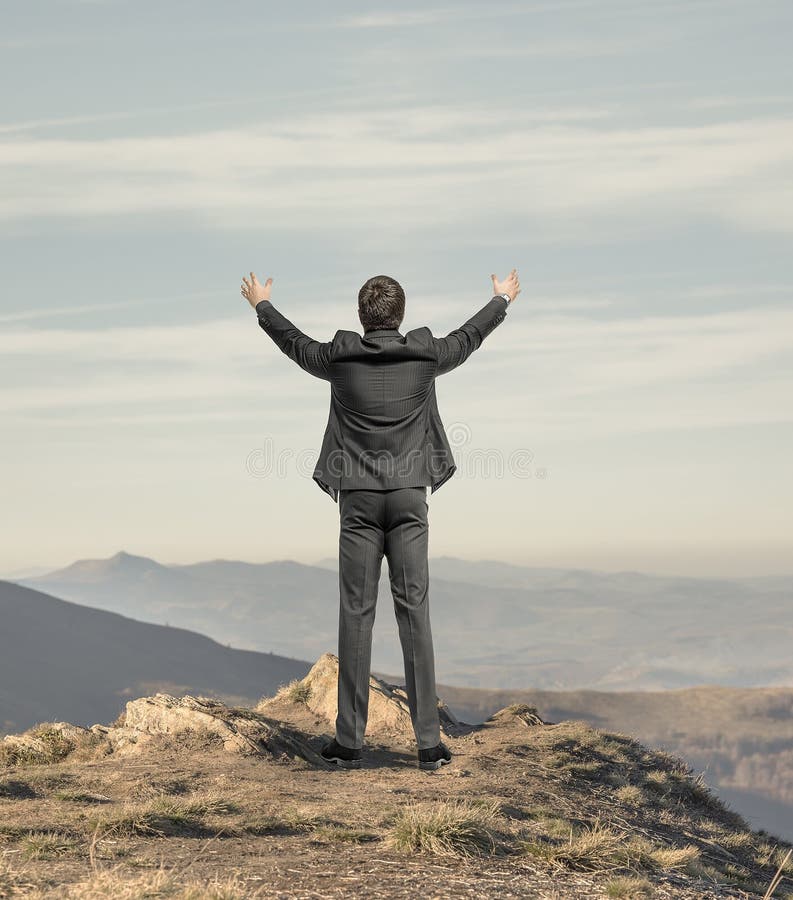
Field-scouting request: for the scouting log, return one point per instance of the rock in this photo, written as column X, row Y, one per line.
column 164, row 714
column 389, row 713
column 45, row 742
column 239, row 730
column 519, row 712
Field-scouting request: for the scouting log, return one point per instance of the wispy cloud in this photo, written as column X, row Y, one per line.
column 143, row 112
column 586, row 374
column 415, row 163
column 730, row 101
column 119, row 116
column 398, row 18
column 620, row 354
column 40, row 312
column 624, row 9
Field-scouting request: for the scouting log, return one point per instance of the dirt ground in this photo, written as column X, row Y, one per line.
column 286, row 826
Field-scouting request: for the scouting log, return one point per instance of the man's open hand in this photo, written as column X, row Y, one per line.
column 510, row 285
column 254, row 291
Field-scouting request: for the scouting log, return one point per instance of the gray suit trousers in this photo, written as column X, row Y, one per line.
column 372, row 523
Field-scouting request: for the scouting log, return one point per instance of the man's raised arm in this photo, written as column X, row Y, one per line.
column 311, row 355
column 458, row 345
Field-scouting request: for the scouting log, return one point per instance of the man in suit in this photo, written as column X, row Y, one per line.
column 383, row 446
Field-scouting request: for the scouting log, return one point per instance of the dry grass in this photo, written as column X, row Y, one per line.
column 164, row 815
column 12, row 881
column 296, row 691
column 51, row 746
column 592, row 849
column 448, row 828
column 628, row 888
column 598, row 847
column 48, row 745
column 285, row 819
column 118, row 884
column 630, row 795
column 150, row 787
column 784, row 866
column 593, row 809
column 48, row 844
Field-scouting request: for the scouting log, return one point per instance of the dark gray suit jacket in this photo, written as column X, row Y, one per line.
column 384, row 429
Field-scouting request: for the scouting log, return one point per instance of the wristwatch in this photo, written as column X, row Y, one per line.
column 506, row 297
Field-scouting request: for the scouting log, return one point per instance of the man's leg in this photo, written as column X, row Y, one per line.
column 406, row 546
column 360, row 558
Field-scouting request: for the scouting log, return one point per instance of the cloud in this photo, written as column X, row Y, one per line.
column 576, row 374
column 625, row 354
column 143, row 112
column 44, row 312
column 453, row 14
column 429, row 164
column 399, row 18
column 722, row 101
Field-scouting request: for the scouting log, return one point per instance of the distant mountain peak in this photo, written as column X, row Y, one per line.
column 123, row 556
column 121, row 563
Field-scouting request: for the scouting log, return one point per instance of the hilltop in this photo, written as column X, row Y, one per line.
column 187, row 794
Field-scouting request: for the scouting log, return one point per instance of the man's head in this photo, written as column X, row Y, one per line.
column 381, row 303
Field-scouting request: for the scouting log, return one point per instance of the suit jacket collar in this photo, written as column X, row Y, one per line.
column 377, row 332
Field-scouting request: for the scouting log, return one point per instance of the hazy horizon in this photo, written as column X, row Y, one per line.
column 736, row 570
column 635, row 163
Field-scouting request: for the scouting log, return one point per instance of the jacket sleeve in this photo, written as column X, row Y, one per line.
column 309, row 354
column 458, row 345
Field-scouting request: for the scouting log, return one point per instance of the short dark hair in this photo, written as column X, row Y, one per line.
column 381, row 303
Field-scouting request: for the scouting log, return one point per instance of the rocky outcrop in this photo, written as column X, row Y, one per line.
column 263, row 731
column 389, row 713
column 44, row 743
column 237, row 730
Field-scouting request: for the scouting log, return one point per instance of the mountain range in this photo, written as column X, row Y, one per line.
column 495, row 625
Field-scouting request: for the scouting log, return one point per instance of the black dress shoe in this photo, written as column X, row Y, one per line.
column 346, row 757
column 434, row 757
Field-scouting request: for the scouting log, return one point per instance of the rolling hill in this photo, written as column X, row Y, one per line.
column 62, row 660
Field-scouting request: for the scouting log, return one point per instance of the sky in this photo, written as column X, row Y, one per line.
column 634, row 162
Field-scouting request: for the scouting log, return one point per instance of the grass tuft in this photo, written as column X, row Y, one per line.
column 598, row 847
column 164, row 816
column 47, row 844
column 448, row 828
column 626, row 887
column 297, row 691
column 629, row 888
